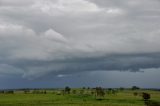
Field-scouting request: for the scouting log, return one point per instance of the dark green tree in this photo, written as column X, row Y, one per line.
column 99, row 93
column 135, row 88
column 146, row 96
column 67, row 90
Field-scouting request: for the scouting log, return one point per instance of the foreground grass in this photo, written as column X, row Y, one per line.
column 124, row 98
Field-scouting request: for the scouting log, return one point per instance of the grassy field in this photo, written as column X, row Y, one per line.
column 52, row 98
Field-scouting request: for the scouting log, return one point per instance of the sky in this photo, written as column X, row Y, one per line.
column 58, row 43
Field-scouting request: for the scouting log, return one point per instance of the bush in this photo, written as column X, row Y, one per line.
column 1, row 92
column 9, row 92
column 74, row 91
column 26, row 91
column 39, row 92
column 135, row 93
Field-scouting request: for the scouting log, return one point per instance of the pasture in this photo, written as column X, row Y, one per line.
column 77, row 97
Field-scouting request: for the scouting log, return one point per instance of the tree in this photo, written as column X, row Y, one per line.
column 114, row 92
column 92, row 92
column 67, row 90
column 135, row 88
column 45, row 92
column 99, row 93
column 146, row 96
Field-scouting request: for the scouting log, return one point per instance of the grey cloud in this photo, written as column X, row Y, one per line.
column 7, row 69
column 139, row 62
column 16, row 2
column 64, row 37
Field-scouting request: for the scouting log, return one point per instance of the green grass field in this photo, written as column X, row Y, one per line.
column 122, row 98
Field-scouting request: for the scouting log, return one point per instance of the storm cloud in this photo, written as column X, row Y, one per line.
column 41, row 37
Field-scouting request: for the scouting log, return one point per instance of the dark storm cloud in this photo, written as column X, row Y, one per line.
column 39, row 37
column 34, row 69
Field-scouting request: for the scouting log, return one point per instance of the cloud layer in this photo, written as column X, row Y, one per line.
column 39, row 37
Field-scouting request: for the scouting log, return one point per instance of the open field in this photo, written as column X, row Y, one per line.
column 55, row 98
